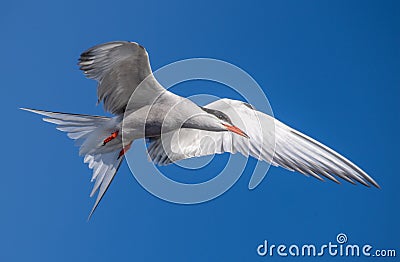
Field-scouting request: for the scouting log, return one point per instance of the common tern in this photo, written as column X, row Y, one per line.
column 167, row 120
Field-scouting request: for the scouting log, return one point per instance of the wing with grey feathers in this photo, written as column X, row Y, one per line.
column 270, row 141
column 119, row 68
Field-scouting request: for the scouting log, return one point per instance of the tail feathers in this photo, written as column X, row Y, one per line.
column 83, row 129
column 104, row 166
column 77, row 126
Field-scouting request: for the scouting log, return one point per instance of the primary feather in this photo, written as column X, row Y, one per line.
column 270, row 141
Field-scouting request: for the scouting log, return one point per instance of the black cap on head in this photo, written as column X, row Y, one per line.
column 220, row 115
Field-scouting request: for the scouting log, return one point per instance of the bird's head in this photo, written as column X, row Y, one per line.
column 213, row 120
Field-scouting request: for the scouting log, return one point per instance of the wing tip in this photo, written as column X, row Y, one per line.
column 372, row 181
column 375, row 184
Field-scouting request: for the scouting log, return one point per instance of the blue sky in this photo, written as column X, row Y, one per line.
column 329, row 68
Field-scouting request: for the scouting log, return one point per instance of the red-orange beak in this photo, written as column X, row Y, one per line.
column 236, row 130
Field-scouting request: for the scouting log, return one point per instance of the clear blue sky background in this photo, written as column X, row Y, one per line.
column 329, row 68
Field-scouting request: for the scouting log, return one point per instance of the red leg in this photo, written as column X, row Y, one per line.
column 124, row 150
column 108, row 139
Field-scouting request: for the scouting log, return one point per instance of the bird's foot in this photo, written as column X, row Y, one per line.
column 124, row 150
column 108, row 139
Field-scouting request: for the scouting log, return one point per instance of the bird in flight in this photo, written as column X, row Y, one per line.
column 176, row 126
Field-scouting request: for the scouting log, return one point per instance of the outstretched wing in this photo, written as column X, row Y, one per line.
column 119, row 68
column 270, row 141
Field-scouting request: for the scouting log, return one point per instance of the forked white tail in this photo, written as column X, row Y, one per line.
column 88, row 132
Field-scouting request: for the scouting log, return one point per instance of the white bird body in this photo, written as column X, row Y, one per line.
column 178, row 128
